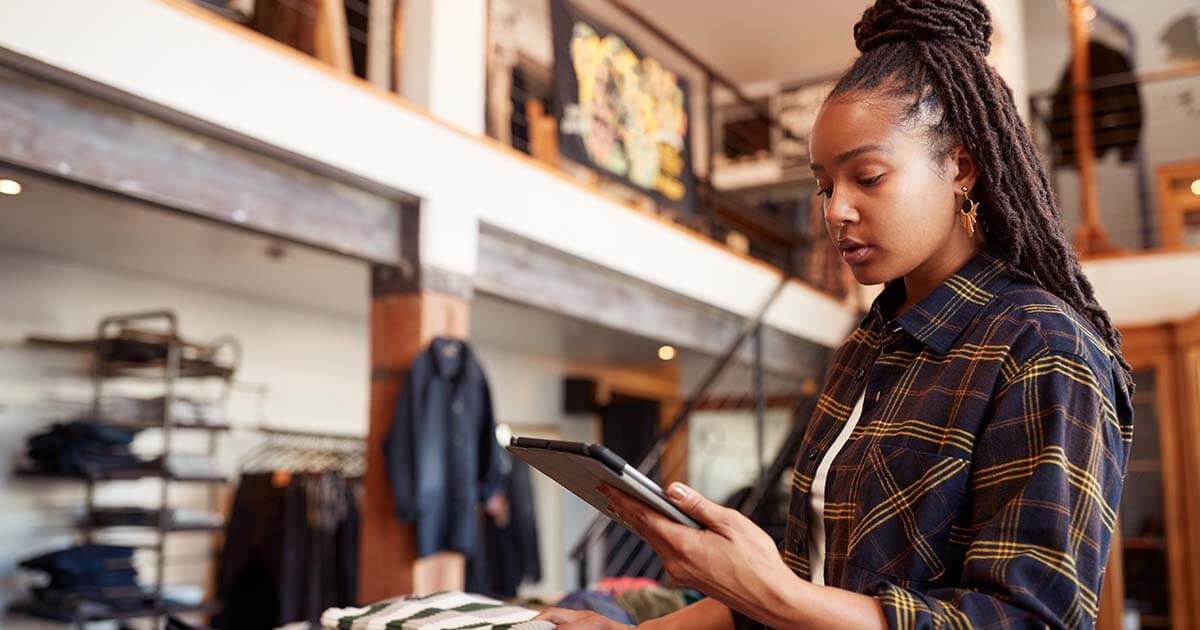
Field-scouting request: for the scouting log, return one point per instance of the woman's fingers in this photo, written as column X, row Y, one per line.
column 578, row 620
column 560, row 615
column 695, row 505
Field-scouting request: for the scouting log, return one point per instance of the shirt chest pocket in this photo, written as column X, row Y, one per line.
column 906, row 503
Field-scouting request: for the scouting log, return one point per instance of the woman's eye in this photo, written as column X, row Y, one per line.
column 825, row 192
column 870, row 181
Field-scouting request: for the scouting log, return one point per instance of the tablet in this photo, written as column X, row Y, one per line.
column 581, row 468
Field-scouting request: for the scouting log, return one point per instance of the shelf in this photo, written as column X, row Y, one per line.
column 188, row 367
column 43, row 611
column 146, row 425
column 153, row 528
column 118, row 476
column 153, row 370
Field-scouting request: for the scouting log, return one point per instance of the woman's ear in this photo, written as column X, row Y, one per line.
column 962, row 167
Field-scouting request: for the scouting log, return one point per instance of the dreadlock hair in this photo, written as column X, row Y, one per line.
column 929, row 56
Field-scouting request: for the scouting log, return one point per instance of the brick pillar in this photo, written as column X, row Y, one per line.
column 404, row 318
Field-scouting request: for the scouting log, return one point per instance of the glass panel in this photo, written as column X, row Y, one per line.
column 1142, row 516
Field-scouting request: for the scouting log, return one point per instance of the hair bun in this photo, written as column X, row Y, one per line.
column 966, row 22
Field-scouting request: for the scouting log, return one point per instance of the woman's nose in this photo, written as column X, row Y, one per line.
column 839, row 211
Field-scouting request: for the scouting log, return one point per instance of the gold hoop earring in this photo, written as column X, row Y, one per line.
column 968, row 217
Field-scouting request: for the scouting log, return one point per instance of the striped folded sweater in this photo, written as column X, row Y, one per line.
column 440, row 611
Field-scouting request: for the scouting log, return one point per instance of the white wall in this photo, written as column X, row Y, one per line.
column 443, row 64
column 1009, row 49
column 721, row 449
column 314, row 362
column 527, row 396
column 188, row 61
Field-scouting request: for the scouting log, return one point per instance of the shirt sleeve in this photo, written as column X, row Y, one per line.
column 1046, row 479
column 399, row 452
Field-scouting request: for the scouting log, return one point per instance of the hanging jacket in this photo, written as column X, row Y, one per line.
column 508, row 551
column 441, row 452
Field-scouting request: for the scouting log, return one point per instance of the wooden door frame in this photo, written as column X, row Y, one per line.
column 1158, row 348
column 1171, row 224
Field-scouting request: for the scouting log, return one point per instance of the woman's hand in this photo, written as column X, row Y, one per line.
column 731, row 560
column 578, row 620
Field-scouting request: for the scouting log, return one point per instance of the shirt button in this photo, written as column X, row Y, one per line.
column 457, row 406
column 813, row 454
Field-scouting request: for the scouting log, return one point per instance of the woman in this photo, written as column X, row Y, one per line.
column 965, row 459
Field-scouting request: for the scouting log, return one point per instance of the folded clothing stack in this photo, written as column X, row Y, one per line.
column 193, row 466
column 86, row 582
column 440, row 611
column 184, row 411
column 145, row 517
column 85, row 448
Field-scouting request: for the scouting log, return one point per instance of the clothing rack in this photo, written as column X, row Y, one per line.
column 147, row 347
column 286, row 450
column 297, row 506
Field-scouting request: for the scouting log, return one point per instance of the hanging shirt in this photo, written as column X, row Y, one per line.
column 816, row 514
column 980, row 488
column 441, row 451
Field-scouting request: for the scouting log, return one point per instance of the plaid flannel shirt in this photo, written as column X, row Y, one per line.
column 980, row 487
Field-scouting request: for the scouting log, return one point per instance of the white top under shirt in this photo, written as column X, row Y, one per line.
column 816, row 505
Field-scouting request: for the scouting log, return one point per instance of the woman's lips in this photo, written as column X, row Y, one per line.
column 857, row 255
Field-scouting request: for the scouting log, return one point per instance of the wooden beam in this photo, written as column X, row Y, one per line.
column 522, row 271
column 1112, row 591
column 402, row 325
column 379, row 42
column 1091, row 236
column 398, row 46
column 333, row 35
column 69, row 135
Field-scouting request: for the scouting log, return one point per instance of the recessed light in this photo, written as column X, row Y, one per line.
column 666, row 353
column 10, row 187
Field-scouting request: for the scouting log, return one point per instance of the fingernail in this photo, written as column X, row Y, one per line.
column 677, row 491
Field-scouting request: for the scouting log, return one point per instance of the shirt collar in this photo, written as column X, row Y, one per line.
column 939, row 318
column 450, row 357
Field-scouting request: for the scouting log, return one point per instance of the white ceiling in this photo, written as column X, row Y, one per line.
column 762, row 40
column 63, row 221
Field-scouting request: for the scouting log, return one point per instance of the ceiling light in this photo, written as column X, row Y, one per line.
column 1196, row 188
column 666, row 353
column 10, row 187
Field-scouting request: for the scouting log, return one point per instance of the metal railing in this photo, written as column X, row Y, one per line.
column 1146, row 132
column 782, row 231
column 729, row 387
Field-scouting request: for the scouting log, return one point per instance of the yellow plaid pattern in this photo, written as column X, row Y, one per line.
column 980, row 487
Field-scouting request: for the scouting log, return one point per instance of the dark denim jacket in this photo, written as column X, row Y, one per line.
column 441, row 451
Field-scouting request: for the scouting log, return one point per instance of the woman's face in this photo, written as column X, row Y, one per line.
column 888, row 206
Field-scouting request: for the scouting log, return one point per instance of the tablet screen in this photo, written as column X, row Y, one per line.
column 582, row 468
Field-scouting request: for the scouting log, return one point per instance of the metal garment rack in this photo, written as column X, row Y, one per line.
column 180, row 360
column 306, row 452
